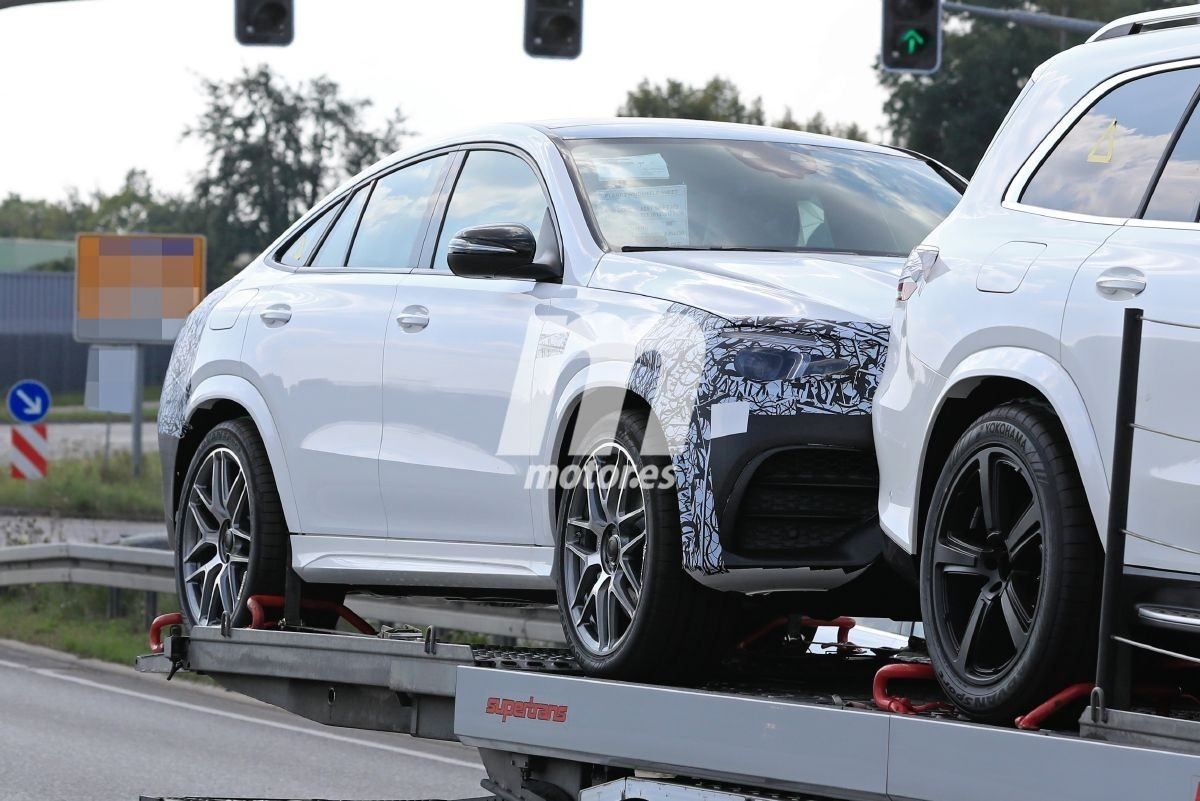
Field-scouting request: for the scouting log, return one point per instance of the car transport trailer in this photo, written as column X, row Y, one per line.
column 546, row 733
column 800, row 722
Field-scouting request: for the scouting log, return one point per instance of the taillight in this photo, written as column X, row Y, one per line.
column 915, row 271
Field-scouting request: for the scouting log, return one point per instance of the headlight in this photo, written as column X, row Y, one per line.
column 915, row 271
column 770, row 356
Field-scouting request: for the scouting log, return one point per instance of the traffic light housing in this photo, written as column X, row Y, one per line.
column 912, row 35
column 264, row 22
column 554, row 28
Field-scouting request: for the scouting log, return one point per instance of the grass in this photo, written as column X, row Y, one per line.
column 76, row 398
column 67, row 407
column 76, row 414
column 73, row 618
column 84, row 487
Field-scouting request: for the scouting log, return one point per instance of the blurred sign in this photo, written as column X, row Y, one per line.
column 28, row 401
column 111, row 379
column 136, row 289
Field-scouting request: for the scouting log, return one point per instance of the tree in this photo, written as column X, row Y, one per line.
column 953, row 114
column 720, row 100
column 135, row 207
column 717, row 100
column 819, row 125
column 273, row 150
column 43, row 219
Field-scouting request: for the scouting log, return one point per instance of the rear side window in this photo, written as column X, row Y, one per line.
column 333, row 249
column 299, row 249
column 1104, row 164
column 390, row 232
column 1176, row 197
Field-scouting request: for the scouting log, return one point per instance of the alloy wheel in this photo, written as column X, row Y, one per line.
column 988, row 563
column 216, row 538
column 604, row 556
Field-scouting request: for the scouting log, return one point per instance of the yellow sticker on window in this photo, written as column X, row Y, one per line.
column 1102, row 151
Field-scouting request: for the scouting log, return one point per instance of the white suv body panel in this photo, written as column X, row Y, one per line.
column 1054, row 331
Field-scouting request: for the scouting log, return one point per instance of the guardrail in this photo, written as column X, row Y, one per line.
column 148, row 570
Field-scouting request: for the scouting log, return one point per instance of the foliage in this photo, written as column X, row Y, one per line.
column 720, row 100
column 73, row 619
column 819, row 125
column 84, row 487
column 273, row 150
column 953, row 114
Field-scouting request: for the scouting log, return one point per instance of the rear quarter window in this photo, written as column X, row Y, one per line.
column 1106, row 161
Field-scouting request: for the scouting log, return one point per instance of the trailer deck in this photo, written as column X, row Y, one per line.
column 547, row 733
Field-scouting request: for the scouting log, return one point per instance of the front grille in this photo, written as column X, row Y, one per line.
column 806, row 498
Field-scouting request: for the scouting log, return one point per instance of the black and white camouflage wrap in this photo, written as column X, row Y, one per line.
column 177, row 388
column 683, row 367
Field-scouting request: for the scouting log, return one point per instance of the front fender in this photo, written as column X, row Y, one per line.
column 242, row 392
column 1048, row 377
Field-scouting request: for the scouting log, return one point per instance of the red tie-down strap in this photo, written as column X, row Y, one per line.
column 160, row 623
column 258, row 605
column 897, row 704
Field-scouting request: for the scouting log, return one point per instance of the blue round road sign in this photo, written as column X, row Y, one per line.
column 28, row 401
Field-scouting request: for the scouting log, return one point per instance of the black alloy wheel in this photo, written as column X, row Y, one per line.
column 1010, row 565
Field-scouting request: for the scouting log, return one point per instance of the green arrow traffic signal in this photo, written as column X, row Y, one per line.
column 912, row 40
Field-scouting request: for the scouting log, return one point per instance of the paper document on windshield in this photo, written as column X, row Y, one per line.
column 644, row 215
column 627, row 168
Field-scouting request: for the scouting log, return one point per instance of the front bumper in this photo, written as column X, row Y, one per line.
column 797, row 490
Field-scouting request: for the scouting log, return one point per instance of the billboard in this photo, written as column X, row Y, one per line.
column 136, row 288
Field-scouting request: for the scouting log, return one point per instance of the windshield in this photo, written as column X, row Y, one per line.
column 706, row 194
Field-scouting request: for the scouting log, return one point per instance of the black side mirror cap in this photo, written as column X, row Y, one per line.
column 506, row 250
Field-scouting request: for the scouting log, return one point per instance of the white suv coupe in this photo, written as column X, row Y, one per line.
column 627, row 362
column 995, row 417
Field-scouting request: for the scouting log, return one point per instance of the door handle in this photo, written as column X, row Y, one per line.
column 413, row 319
column 276, row 314
column 1121, row 283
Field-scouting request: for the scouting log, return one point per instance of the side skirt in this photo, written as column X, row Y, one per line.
column 385, row 562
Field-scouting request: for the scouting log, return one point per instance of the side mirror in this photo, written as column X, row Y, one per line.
column 507, row 250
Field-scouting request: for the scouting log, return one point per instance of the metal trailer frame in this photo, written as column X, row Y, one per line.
column 547, row 735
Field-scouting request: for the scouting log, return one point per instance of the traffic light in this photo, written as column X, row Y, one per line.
column 264, row 22
column 912, row 35
column 554, row 28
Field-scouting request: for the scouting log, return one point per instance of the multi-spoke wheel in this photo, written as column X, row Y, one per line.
column 605, row 548
column 628, row 609
column 1009, row 565
column 215, row 540
column 230, row 538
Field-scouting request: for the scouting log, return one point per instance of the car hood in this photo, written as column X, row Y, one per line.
column 738, row 285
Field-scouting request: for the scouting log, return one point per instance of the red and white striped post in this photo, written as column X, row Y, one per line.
column 29, row 449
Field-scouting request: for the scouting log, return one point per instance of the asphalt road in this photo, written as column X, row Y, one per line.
column 73, row 729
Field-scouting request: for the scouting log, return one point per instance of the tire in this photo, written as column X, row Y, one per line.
column 676, row 626
column 1013, row 582
column 235, row 544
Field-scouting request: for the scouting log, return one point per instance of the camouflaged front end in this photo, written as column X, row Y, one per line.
column 665, row 374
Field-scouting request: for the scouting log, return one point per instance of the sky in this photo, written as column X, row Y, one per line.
column 91, row 88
